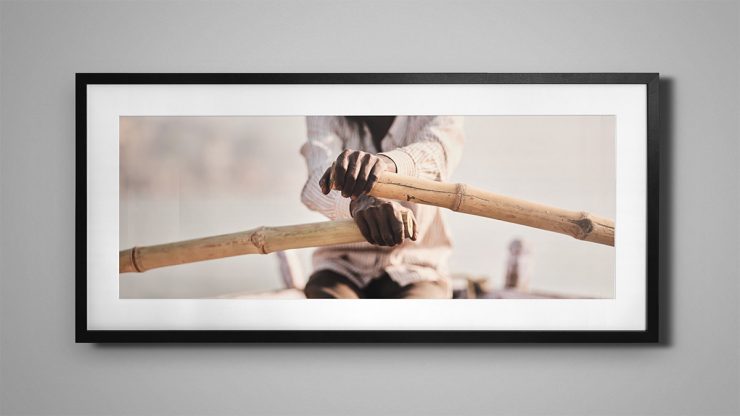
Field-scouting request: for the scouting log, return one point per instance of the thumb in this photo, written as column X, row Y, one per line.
column 415, row 231
column 324, row 182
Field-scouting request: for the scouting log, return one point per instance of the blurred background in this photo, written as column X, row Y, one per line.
column 189, row 177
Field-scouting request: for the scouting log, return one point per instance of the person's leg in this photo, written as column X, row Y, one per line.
column 326, row 284
column 383, row 287
column 428, row 289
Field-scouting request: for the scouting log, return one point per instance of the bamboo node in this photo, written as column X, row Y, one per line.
column 585, row 225
column 460, row 190
column 258, row 239
column 134, row 262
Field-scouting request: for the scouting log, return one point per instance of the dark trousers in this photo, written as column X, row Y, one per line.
column 326, row 284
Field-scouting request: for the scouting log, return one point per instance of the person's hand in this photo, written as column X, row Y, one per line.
column 383, row 222
column 354, row 173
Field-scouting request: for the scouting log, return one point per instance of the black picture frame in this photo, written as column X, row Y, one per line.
column 649, row 335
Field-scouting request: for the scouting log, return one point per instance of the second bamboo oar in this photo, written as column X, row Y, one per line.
column 260, row 240
column 469, row 200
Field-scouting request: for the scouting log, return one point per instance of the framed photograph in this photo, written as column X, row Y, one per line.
column 461, row 207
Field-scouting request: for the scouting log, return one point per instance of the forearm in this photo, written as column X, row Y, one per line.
column 433, row 149
column 390, row 165
column 331, row 205
column 421, row 160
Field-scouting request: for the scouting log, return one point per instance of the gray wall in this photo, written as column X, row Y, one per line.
column 694, row 44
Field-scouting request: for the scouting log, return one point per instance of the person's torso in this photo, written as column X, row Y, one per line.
column 424, row 259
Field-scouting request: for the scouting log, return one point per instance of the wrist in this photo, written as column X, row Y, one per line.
column 365, row 201
column 390, row 165
column 361, row 202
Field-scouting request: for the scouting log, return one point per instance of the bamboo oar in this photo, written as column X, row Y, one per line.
column 457, row 197
column 260, row 240
column 469, row 200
